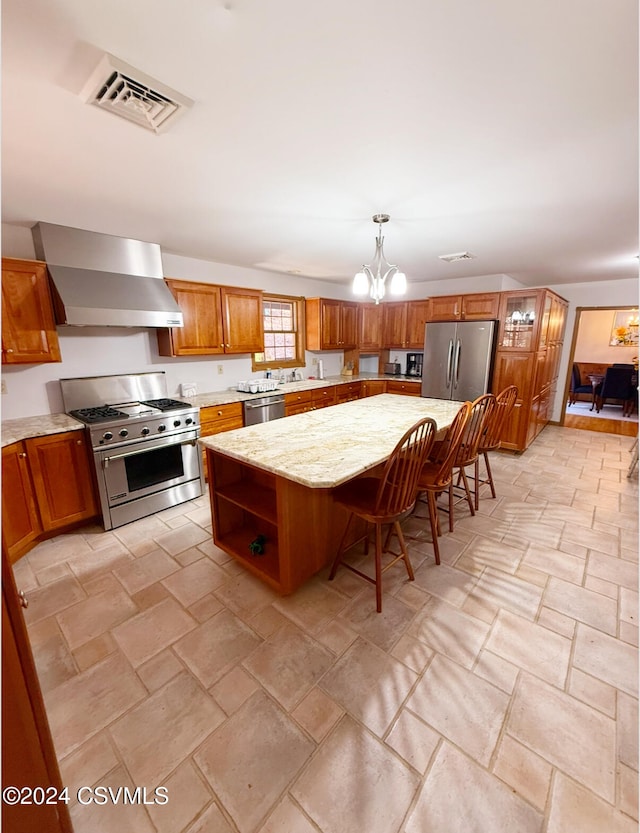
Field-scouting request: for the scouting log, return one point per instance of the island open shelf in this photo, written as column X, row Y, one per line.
column 301, row 526
column 244, row 511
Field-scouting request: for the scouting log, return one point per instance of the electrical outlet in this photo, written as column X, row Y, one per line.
column 3, row 386
column 220, row 369
column 314, row 362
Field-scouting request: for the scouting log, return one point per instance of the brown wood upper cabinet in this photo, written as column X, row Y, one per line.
column 417, row 317
column 47, row 485
column 217, row 319
column 474, row 307
column 403, row 324
column 394, row 324
column 331, row 324
column 369, row 326
column 29, row 333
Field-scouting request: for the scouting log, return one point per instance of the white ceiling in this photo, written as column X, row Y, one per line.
column 506, row 129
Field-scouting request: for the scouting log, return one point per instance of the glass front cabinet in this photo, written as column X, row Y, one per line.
column 530, row 338
column 520, row 314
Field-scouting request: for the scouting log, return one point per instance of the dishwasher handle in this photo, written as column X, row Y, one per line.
column 249, row 407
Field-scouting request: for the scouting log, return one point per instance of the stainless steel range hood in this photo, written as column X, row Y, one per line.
column 103, row 280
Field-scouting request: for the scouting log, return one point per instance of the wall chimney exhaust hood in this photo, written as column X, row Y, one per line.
column 103, row 280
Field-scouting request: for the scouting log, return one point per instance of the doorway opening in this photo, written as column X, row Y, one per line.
column 602, row 337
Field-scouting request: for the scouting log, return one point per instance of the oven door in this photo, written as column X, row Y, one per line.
column 136, row 471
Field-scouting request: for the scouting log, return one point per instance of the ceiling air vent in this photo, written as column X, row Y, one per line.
column 458, row 256
column 121, row 89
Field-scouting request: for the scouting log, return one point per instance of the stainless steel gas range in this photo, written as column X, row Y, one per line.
column 145, row 445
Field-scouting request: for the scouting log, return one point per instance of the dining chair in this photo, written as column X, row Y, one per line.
column 617, row 385
column 576, row 386
column 490, row 441
column 386, row 500
column 437, row 473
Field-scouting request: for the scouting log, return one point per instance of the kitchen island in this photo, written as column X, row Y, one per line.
column 271, row 485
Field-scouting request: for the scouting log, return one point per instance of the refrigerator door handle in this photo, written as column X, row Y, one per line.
column 456, row 363
column 449, row 361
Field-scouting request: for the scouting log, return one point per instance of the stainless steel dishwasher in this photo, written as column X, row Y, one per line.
column 263, row 409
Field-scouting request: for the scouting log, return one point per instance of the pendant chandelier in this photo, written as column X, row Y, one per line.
column 372, row 279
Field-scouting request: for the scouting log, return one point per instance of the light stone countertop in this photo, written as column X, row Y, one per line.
column 15, row 430
column 321, row 449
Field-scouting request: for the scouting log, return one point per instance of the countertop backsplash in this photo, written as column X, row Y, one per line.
column 32, row 390
column 19, row 428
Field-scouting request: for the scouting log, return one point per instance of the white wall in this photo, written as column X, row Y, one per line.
column 593, row 342
column 455, row 286
column 92, row 351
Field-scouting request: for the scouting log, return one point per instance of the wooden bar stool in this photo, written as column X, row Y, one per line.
column 505, row 402
column 387, row 499
column 482, row 410
column 437, row 474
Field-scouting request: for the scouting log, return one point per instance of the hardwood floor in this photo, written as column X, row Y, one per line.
column 624, row 428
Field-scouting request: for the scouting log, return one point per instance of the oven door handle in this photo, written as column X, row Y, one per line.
column 107, row 460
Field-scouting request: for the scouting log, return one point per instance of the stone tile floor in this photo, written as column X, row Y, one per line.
column 496, row 693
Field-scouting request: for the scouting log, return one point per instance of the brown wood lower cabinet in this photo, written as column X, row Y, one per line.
column 348, row 392
column 516, row 369
column 47, row 485
column 403, row 388
column 28, row 756
column 218, row 418
column 297, row 403
column 372, row 387
column 63, row 480
column 21, row 524
column 323, row 397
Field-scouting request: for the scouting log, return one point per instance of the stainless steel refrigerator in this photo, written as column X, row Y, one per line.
column 458, row 359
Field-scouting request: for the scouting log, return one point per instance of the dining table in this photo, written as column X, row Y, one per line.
column 596, row 380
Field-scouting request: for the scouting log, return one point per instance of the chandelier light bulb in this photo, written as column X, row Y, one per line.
column 360, row 284
column 372, row 279
column 398, row 284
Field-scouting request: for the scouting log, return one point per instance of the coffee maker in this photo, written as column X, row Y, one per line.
column 414, row 364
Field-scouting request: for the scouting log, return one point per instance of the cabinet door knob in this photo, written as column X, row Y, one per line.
column 9, row 350
column 222, row 345
column 219, row 413
column 78, row 442
column 22, row 454
column 24, row 602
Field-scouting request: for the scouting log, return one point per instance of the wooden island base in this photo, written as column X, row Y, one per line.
column 302, row 527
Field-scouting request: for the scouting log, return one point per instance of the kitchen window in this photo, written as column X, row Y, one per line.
column 283, row 318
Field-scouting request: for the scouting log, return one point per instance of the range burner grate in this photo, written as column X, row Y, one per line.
column 98, row 414
column 166, row 404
